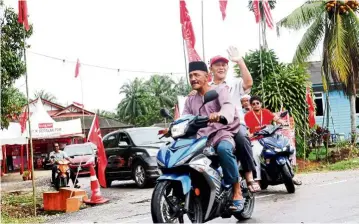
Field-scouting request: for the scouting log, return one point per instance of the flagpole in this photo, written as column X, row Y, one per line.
column 204, row 58
column 83, row 112
column 29, row 125
column 185, row 60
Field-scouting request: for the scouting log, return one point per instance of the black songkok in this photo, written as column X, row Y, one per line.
column 197, row 65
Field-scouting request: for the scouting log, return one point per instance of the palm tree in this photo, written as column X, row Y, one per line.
column 263, row 23
column 133, row 104
column 337, row 24
column 45, row 95
column 161, row 87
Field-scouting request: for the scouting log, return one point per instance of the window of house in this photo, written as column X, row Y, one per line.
column 319, row 103
column 357, row 105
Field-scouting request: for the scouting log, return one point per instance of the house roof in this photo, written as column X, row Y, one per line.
column 44, row 101
column 72, row 108
column 315, row 71
column 104, row 122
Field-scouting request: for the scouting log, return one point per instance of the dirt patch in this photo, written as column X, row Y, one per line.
column 305, row 166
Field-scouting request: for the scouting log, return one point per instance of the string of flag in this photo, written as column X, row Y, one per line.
column 78, row 65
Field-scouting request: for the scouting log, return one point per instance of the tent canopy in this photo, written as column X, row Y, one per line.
column 43, row 126
column 12, row 135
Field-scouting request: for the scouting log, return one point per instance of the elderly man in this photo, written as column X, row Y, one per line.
column 237, row 88
column 223, row 134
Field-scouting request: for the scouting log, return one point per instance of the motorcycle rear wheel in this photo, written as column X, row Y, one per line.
column 158, row 204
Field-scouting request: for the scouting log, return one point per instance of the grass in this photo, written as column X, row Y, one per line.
column 17, row 207
column 349, row 164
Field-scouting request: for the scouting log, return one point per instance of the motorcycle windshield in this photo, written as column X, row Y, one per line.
column 277, row 141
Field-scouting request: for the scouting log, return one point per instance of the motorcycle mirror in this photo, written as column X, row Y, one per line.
column 165, row 113
column 210, row 96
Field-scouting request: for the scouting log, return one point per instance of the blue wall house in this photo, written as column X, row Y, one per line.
column 339, row 115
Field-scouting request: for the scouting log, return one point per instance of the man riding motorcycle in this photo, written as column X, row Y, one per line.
column 237, row 88
column 59, row 155
column 255, row 120
column 222, row 134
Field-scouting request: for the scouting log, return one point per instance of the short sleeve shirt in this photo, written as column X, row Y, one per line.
column 236, row 92
column 58, row 156
column 254, row 122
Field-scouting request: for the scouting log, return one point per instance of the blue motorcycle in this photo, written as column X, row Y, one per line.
column 276, row 165
column 192, row 182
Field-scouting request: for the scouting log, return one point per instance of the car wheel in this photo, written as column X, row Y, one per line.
column 139, row 175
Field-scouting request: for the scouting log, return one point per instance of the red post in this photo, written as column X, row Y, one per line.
column 21, row 159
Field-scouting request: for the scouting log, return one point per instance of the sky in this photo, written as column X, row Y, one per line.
column 136, row 35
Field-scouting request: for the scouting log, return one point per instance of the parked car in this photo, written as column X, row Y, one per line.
column 84, row 154
column 131, row 154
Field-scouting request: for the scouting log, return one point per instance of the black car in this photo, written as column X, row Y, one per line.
column 131, row 154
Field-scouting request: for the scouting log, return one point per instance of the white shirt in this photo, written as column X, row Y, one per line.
column 237, row 91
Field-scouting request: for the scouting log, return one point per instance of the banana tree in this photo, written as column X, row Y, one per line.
column 337, row 24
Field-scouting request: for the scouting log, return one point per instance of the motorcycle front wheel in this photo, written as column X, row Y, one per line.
column 287, row 179
column 162, row 212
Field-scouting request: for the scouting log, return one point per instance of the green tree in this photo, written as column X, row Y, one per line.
column 161, row 87
column 258, row 62
column 337, row 24
column 285, row 85
column 133, row 105
column 105, row 113
column 15, row 101
column 12, row 66
column 182, row 88
column 45, row 95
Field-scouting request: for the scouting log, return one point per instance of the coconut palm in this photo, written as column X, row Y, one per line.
column 133, row 104
column 45, row 95
column 337, row 24
column 263, row 24
column 161, row 87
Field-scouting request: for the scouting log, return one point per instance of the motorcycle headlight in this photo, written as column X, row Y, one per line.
column 277, row 149
column 179, row 129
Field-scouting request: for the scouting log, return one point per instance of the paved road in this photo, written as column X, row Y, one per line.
column 324, row 197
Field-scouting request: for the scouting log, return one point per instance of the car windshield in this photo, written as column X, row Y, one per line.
column 148, row 136
column 78, row 150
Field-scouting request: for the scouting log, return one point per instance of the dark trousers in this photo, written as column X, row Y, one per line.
column 244, row 151
column 72, row 175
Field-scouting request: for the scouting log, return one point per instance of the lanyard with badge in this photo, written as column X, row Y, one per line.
column 261, row 121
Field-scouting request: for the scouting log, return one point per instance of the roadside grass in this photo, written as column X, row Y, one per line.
column 17, row 207
column 349, row 164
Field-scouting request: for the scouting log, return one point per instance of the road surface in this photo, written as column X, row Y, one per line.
column 323, row 197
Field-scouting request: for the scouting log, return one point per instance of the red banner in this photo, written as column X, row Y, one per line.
column 268, row 14
column 256, row 10
column 222, row 7
column 311, row 108
column 188, row 33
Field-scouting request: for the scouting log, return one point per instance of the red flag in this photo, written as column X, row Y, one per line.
column 77, row 69
column 311, row 108
column 78, row 104
column 95, row 137
column 222, row 7
column 176, row 115
column 268, row 14
column 256, row 10
column 188, row 33
column 22, row 16
column 23, row 120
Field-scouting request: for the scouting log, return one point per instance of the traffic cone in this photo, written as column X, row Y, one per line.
column 96, row 197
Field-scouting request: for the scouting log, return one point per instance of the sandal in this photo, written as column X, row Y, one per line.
column 253, row 186
column 297, row 182
column 237, row 205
